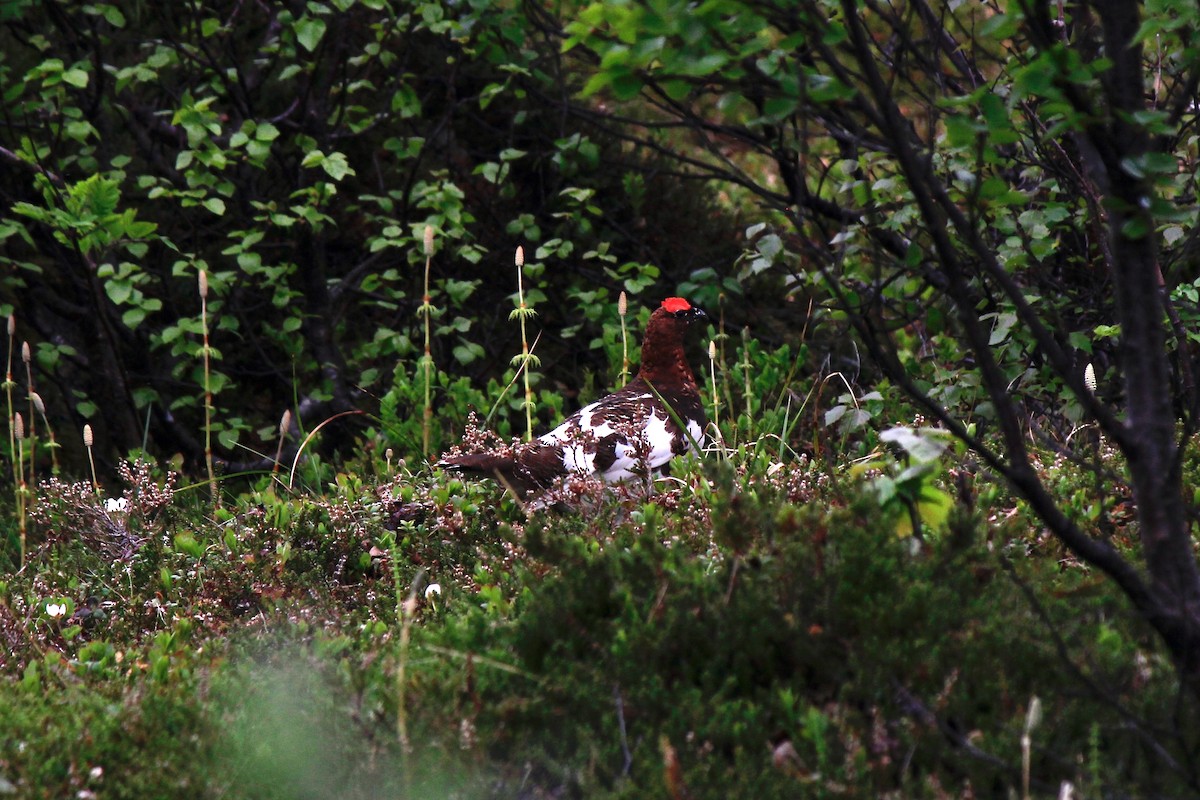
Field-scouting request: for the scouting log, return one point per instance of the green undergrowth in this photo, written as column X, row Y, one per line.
column 757, row 628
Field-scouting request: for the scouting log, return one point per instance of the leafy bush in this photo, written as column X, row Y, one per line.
column 827, row 654
column 296, row 156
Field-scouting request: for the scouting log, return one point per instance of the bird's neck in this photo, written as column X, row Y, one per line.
column 663, row 359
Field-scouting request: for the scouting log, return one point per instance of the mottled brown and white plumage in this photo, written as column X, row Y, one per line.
column 622, row 435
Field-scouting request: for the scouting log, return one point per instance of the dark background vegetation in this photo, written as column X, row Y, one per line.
column 200, row 121
column 942, row 545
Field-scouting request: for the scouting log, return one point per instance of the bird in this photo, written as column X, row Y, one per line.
column 632, row 433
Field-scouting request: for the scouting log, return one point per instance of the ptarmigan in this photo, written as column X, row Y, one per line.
column 622, row 435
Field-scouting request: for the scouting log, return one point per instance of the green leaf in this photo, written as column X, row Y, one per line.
column 216, row 205
column 406, row 102
column 336, row 166
column 118, row 291
column 676, row 89
column 924, row 445
column 75, row 77
column 595, row 83
column 826, row 89
column 1155, row 122
column 97, row 194
column 229, row 438
column 1135, row 228
column 1000, row 26
column 1161, row 163
column 133, row 317
column 137, row 229
column 113, row 16
column 885, row 488
column 492, row 171
column 1003, row 324
column 834, row 33
column 266, row 132
column 705, row 65
column 998, row 119
column 778, row 108
column 309, row 32
column 466, row 353
column 186, row 543
column 626, row 86
column 960, row 130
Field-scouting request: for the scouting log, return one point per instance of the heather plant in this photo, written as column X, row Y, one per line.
column 114, row 528
column 745, row 613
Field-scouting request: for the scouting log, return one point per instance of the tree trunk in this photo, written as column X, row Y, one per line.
column 1153, row 456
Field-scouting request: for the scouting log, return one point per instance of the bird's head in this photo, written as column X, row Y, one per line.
column 680, row 309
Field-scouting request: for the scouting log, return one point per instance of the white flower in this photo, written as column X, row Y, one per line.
column 433, row 590
column 116, row 504
column 56, row 610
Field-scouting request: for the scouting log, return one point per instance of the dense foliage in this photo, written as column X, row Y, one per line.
column 296, row 155
column 941, row 543
column 951, row 179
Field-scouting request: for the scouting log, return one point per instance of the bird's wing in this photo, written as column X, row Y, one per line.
column 620, row 436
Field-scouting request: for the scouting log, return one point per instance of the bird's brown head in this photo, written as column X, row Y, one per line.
column 662, row 348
